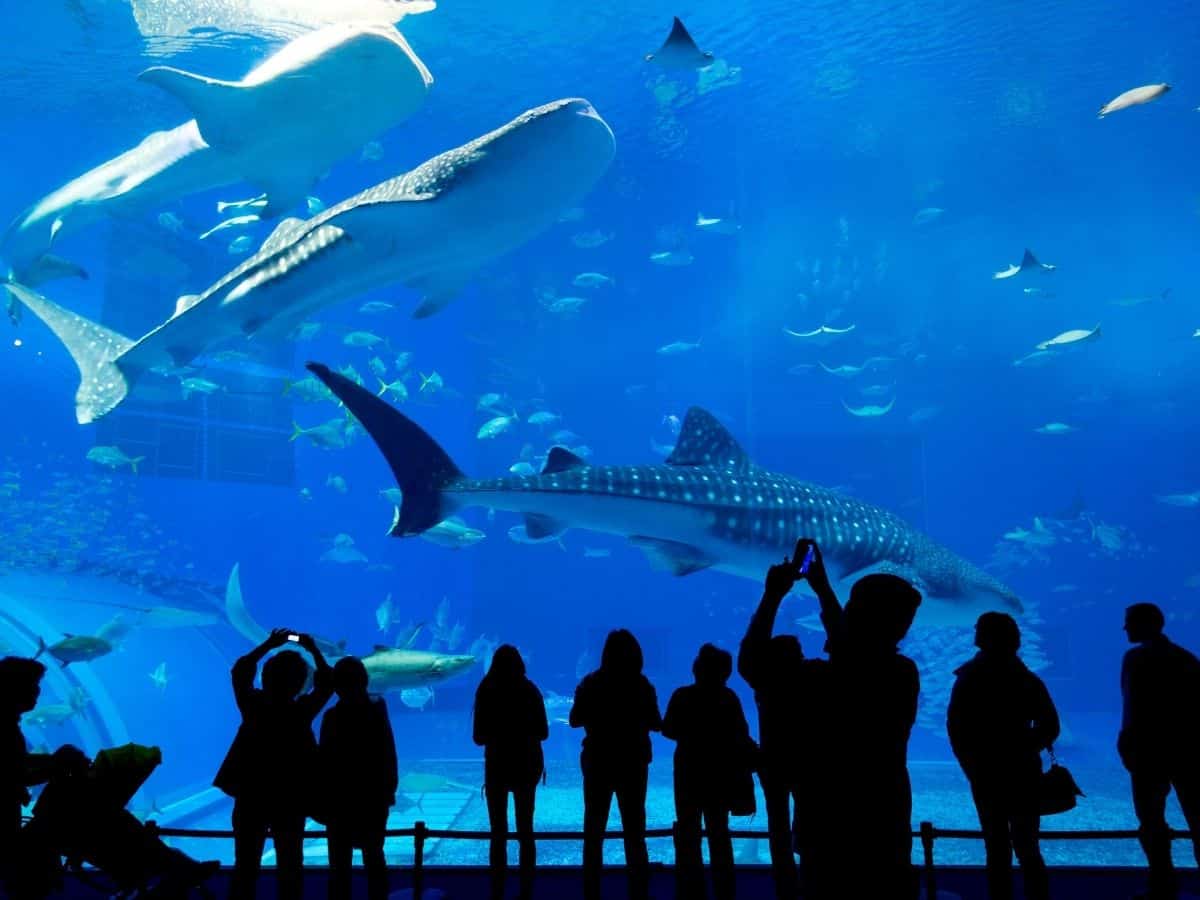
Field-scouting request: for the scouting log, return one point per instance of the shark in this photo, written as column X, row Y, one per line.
column 428, row 229
column 708, row 506
column 315, row 100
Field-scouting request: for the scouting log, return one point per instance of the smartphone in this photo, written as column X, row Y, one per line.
column 294, row 638
column 808, row 558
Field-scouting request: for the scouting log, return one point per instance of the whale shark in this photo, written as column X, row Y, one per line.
column 707, row 507
column 317, row 99
column 429, row 230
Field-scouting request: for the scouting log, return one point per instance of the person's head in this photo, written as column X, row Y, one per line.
column 622, row 654
column 507, row 664
column 713, row 666
column 20, row 684
column 284, row 675
column 350, row 678
column 881, row 609
column 996, row 633
column 1143, row 622
column 784, row 657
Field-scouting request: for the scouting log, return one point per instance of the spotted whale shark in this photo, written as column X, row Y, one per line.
column 315, row 100
column 707, row 507
column 428, row 229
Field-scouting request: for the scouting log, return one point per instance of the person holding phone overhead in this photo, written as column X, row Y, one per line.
column 792, row 695
column 270, row 766
column 873, row 706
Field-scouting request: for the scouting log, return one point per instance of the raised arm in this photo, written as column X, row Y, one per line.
column 752, row 651
column 832, row 616
column 314, row 701
column 246, row 667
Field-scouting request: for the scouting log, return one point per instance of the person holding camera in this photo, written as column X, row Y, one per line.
column 271, row 766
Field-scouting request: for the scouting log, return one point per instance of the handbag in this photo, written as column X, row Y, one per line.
column 1057, row 789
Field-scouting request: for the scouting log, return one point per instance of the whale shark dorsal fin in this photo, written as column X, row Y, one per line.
column 540, row 527
column 222, row 109
column 672, row 556
column 703, row 441
column 285, row 232
column 560, row 459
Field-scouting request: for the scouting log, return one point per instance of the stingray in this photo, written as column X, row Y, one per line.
column 679, row 51
column 869, row 411
column 1029, row 263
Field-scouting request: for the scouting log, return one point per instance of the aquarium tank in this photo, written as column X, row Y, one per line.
column 668, row 294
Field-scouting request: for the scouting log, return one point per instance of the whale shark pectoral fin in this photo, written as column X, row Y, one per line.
column 672, row 556
column 49, row 267
column 285, row 232
column 224, row 110
column 437, row 293
column 540, row 527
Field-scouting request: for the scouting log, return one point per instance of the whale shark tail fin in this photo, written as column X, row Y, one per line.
column 96, row 351
column 421, row 467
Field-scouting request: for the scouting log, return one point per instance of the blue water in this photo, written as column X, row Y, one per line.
column 843, row 121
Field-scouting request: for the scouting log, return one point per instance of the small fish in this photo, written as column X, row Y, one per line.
column 171, row 222
column 403, row 360
column 1133, row 97
column 677, row 347
column 1187, row 501
column 1070, row 338
column 377, row 366
column 453, row 533
column 362, row 339
column 431, row 383
column 384, row 614
column 235, row 222
column 1036, row 292
column 306, row 331
column 329, row 435
column 716, row 226
column 489, row 401
column 564, row 306
column 309, row 389
column 199, row 386
column 372, row 151
column 375, row 307
column 672, row 258
column 159, row 676
column 673, row 423
column 258, row 202
column 241, row 244
column 113, row 458
column 417, row 698
column 338, row 483
column 495, row 427
column 927, row 216
column 523, row 469
column 1055, row 428
column 1142, row 300
column 589, row 240
column 306, row 494
column 543, row 418
column 314, row 205
column 343, row 551
column 591, row 280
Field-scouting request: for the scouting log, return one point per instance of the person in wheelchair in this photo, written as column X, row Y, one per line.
column 81, row 816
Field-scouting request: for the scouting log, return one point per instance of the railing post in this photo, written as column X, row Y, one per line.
column 927, row 836
column 419, row 830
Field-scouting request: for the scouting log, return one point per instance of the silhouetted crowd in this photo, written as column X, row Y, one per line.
column 831, row 756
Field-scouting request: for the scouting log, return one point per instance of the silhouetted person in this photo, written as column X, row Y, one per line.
column 510, row 724
column 875, row 690
column 20, row 687
column 360, row 777
column 272, row 764
column 1160, row 737
column 1000, row 719
column 713, row 749
column 791, row 694
column 618, row 708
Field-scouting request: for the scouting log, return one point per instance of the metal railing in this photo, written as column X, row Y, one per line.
column 927, row 834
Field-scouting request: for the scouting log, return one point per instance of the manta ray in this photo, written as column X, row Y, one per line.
column 428, row 229
column 1029, row 263
column 707, row 507
column 317, row 99
column 679, row 51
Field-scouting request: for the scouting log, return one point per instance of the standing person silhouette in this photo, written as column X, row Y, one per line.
column 359, row 779
column 271, row 766
column 999, row 720
column 617, row 707
column 1159, row 741
column 20, row 687
column 510, row 724
column 874, row 696
column 713, row 748
column 792, row 696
